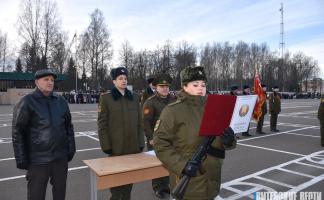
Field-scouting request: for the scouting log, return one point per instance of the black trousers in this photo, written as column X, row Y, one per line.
column 260, row 124
column 38, row 176
column 122, row 192
column 273, row 121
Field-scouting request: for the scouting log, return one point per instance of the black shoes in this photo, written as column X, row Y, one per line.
column 274, row 130
column 161, row 193
column 246, row 134
column 260, row 132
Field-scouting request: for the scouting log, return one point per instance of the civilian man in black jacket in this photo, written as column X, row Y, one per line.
column 43, row 138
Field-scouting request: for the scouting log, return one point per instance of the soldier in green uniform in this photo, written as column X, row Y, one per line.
column 176, row 139
column 149, row 91
column 119, row 124
column 264, row 111
column 152, row 109
column 274, row 108
column 320, row 116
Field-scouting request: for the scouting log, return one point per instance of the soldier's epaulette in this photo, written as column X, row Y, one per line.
column 176, row 102
column 151, row 97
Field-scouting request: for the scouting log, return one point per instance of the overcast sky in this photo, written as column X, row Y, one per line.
column 148, row 23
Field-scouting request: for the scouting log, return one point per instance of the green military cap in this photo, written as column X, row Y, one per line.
column 189, row 74
column 162, row 79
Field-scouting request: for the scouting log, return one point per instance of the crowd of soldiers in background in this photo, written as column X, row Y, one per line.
column 80, row 97
column 285, row 95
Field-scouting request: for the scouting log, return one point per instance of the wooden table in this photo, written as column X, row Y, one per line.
column 121, row 170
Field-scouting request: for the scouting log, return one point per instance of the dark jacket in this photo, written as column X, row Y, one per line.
column 274, row 103
column 119, row 123
column 264, row 105
column 42, row 130
column 152, row 109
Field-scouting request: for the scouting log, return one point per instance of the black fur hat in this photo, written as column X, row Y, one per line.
column 115, row 72
column 189, row 74
column 234, row 87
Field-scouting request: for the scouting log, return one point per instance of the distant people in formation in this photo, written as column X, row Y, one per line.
column 274, row 108
column 263, row 110
column 43, row 138
column 176, row 137
column 152, row 109
column 246, row 91
column 320, row 116
column 234, row 90
column 119, row 124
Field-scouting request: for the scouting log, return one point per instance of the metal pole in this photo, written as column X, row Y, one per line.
column 76, row 79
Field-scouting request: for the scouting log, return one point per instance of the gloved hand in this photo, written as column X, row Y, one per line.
column 141, row 149
column 70, row 156
column 191, row 168
column 22, row 166
column 228, row 138
column 109, row 151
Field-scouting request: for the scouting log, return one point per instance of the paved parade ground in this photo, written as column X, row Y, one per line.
column 291, row 160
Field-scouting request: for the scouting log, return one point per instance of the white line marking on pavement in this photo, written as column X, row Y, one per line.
column 259, row 187
column 80, row 150
column 274, row 134
column 275, row 150
column 89, row 136
column 275, row 182
column 297, row 173
column 303, row 135
column 23, row 176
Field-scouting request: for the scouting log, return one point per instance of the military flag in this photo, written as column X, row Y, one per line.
column 257, row 112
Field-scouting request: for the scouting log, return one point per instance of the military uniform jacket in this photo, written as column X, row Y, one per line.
column 274, row 103
column 119, row 125
column 264, row 105
column 320, row 113
column 176, row 139
column 152, row 109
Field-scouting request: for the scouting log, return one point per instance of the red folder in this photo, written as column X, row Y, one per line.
column 217, row 114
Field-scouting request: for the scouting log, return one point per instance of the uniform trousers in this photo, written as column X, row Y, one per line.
column 121, row 192
column 260, row 123
column 39, row 175
column 159, row 184
column 322, row 133
column 273, row 121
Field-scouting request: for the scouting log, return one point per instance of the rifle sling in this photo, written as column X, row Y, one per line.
column 218, row 153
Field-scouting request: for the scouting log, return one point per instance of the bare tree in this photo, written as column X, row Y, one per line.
column 29, row 28
column 3, row 50
column 99, row 45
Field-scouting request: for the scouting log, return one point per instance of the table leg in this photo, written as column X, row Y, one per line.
column 93, row 187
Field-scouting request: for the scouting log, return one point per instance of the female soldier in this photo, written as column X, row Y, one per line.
column 119, row 124
column 176, row 139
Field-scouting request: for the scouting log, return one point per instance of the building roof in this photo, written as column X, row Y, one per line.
column 20, row 76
